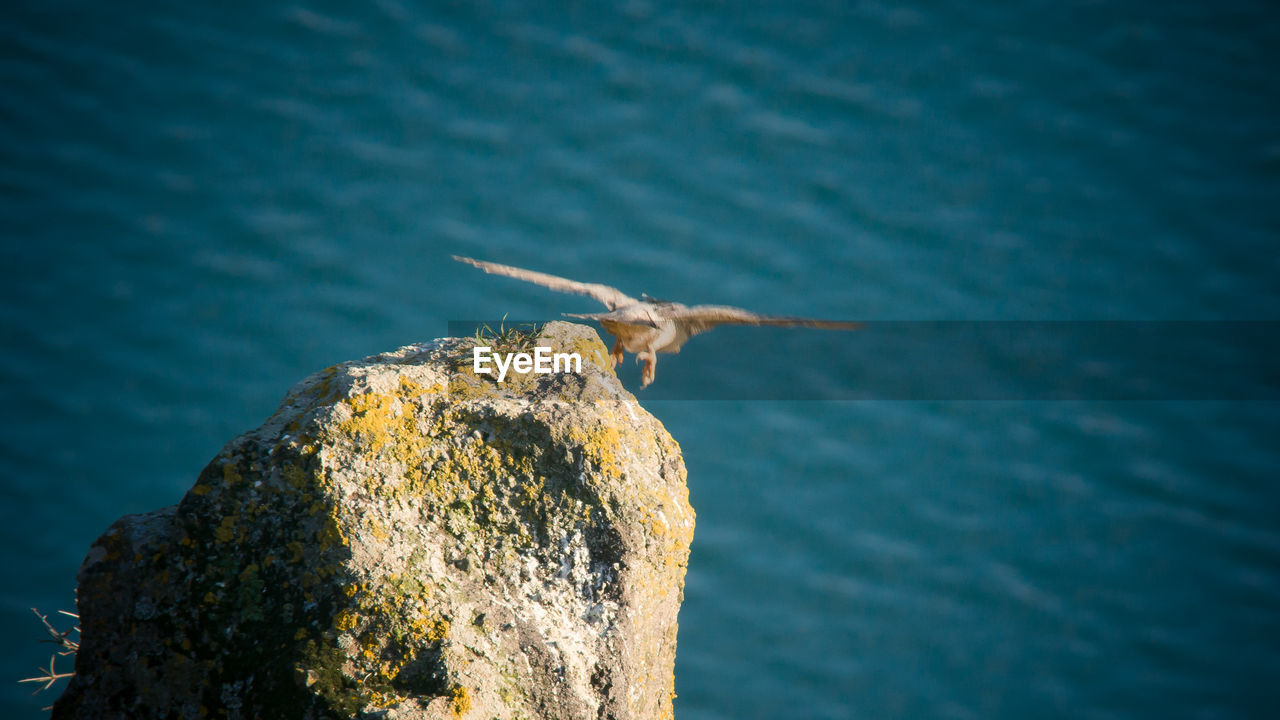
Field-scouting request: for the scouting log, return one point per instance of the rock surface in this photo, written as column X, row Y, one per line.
column 404, row 539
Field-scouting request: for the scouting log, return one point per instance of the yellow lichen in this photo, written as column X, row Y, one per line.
column 226, row 531
column 331, row 533
column 459, row 700
column 345, row 620
column 602, row 444
column 380, row 419
column 593, row 351
column 430, row 629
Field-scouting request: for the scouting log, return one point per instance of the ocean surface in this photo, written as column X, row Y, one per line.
column 202, row 203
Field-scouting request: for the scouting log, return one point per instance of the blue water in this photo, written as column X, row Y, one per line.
column 202, row 205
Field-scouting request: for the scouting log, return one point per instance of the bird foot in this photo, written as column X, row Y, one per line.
column 649, row 372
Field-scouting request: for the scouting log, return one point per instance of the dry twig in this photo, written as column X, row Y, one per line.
column 63, row 640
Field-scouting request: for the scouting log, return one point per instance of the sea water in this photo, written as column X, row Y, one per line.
column 205, row 202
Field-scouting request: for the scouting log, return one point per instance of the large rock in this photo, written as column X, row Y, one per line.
column 404, row 539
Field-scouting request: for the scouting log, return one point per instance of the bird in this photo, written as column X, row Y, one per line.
column 647, row 326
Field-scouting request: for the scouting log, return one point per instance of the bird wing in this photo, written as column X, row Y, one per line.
column 701, row 318
column 612, row 298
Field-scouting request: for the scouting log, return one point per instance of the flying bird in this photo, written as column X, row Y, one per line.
column 647, row 326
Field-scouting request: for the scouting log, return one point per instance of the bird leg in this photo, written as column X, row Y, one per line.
column 615, row 356
column 650, row 366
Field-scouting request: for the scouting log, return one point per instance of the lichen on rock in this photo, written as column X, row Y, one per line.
column 404, row 539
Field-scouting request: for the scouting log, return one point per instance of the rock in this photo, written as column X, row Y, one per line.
column 404, row 539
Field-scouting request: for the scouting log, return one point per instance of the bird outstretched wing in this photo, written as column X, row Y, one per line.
column 701, row 318
column 612, row 298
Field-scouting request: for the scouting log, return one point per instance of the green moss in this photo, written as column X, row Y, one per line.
column 320, row 670
column 294, row 475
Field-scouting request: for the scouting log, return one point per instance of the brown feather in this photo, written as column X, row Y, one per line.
column 612, row 298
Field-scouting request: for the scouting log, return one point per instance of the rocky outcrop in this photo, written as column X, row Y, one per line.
column 405, row 539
